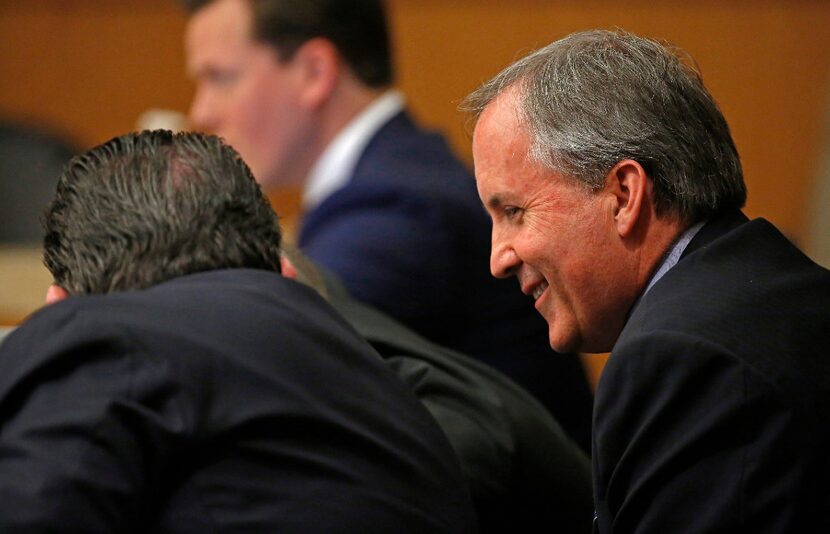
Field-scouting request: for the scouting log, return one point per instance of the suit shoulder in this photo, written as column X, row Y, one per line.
column 410, row 158
column 753, row 296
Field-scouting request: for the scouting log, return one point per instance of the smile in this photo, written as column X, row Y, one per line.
column 537, row 292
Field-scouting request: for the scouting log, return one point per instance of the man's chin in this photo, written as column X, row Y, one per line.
column 562, row 343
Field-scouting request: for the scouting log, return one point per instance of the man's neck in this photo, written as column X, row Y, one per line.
column 663, row 235
column 348, row 100
column 654, row 239
column 673, row 253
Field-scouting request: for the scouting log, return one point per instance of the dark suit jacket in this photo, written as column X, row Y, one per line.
column 713, row 411
column 4, row 331
column 222, row 401
column 524, row 474
column 409, row 236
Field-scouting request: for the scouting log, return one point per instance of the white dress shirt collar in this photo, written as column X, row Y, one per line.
column 335, row 166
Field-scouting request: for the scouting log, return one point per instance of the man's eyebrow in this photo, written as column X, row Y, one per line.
column 208, row 70
column 495, row 202
column 204, row 70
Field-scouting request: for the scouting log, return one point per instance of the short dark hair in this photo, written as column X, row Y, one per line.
column 357, row 28
column 147, row 207
column 595, row 98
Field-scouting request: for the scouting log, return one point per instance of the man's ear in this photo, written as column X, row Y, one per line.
column 630, row 188
column 55, row 293
column 288, row 269
column 320, row 67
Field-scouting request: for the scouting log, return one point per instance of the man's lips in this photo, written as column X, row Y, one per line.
column 538, row 290
column 535, row 291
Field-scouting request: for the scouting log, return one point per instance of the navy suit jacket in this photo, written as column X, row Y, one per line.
column 713, row 411
column 409, row 236
column 222, row 401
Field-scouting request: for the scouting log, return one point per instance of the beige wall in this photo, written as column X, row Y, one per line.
column 767, row 63
column 90, row 67
column 818, row 229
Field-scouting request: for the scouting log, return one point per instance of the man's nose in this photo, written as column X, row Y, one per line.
column 202, row 114
column 503, row 258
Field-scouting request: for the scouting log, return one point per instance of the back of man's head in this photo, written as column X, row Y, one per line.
column 357, row 28
column 147, row 207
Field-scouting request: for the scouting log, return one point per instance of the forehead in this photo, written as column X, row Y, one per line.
column 500, row 143
column 505, row 171
column 499, row 116
column 499, row 136
column 218, row 30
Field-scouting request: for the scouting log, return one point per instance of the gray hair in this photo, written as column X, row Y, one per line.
column 147, row 207
column 598, row 97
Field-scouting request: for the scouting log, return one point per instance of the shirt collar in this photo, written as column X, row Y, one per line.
column 671, row 259
column 335, row 166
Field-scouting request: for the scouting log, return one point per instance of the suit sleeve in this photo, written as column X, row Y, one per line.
column 687, row 438
column 524, row 474
column 391, row 251
column 86, row 429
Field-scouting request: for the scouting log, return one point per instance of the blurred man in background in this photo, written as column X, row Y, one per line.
column 303, row 89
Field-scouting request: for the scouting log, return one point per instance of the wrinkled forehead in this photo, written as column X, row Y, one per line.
column 499, row 132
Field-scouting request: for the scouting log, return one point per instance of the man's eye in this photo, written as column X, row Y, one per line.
column 220, row 77
column 511, row 212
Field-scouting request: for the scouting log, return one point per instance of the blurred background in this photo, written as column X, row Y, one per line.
column 74, row 73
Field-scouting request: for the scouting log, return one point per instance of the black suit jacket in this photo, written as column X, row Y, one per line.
column 409, row 236
column 222, row 401
column 524, row 473
column 712, row 412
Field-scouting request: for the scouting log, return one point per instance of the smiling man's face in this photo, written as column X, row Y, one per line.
column 556, row 236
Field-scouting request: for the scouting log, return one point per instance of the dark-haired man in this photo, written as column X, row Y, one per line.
column 303, row 90
column 615, row 191
column 178, row 383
